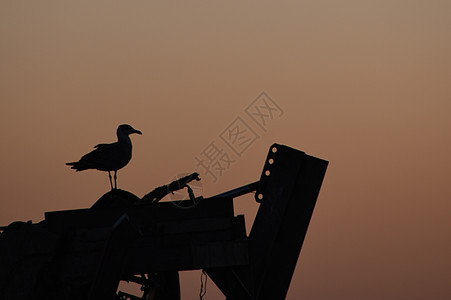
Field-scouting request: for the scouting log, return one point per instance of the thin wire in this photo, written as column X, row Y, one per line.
column 203, row 285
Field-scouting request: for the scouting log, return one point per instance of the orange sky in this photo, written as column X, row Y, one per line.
column 363, row 84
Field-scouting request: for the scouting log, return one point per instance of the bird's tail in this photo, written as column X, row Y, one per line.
column 77, row 166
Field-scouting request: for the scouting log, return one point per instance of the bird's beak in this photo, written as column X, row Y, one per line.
column 137, row 131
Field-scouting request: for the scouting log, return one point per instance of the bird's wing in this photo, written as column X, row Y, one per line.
column 103, row 145
column 106, row 157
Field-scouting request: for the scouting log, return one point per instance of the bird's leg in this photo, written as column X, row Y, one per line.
column 111, row 183
column 115, row 179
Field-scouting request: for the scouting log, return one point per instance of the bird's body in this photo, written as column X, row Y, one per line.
column 106, row 157
column 109, row 157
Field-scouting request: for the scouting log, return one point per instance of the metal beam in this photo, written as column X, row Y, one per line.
column 288, row 189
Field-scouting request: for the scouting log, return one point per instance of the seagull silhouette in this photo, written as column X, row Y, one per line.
column 109, row 157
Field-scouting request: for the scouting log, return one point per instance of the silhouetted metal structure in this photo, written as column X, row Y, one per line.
column 84, row 253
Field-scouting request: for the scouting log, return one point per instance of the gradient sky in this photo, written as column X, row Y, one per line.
column 363, row 84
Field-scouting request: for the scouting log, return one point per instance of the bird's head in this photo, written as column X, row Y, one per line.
column 126, row 130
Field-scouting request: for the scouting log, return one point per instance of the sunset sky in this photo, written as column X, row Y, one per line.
column 363, row 84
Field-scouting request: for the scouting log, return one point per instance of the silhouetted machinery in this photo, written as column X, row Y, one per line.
column 85, row 253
